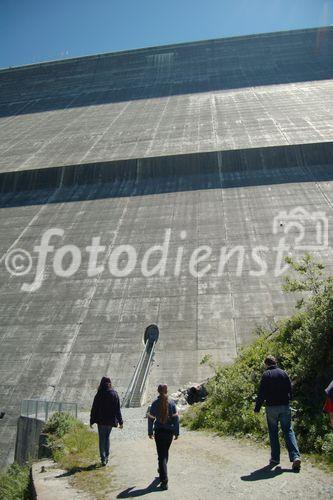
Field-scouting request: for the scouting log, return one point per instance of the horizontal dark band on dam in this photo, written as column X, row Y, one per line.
column 256, row 91
column 227, row 63
column 181, row 166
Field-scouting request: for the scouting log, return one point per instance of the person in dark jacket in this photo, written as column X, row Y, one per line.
column 163, row 424
column 328, row 408
column 105, row 412
column 276, row 392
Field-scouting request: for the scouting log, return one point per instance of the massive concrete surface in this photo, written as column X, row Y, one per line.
column 262, row 90
column 91, row 148
column 57, row 341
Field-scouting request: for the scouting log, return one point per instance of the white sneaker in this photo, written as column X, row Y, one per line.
column 297, row 465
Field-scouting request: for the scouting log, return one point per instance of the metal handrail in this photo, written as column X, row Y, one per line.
column 138, row 366
column 40, row 406
column 144, row 378
column 138, row 376
column 147, row 368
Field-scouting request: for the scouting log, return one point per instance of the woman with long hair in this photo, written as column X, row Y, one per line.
column 105, row 412
column 163, row 424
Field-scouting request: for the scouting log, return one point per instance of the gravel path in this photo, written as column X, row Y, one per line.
column 205, row 467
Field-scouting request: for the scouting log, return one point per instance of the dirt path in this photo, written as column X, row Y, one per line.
column 52, row 483
column 201, row 467
column 205, row 467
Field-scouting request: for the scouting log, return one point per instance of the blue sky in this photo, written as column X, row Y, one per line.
column 42, row 30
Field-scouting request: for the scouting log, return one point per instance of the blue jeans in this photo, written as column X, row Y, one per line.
column 104, row 440
column 282, row 414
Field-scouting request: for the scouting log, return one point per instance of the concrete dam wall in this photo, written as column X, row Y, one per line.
column 144, row 187
column 246, row 92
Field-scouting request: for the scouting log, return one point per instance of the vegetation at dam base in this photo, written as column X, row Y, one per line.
column 303, row 346
column 75, row 449
column 15, row 482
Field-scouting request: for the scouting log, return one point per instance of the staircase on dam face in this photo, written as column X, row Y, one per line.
column 135, row 392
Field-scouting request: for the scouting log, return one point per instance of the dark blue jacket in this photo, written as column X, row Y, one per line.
column 275, row 388
column 154, row 423
column 106, row 408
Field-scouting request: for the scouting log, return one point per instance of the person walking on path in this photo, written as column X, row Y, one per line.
column 163, row 424
column 328, row 408
column 105, row 412
column 276, row 392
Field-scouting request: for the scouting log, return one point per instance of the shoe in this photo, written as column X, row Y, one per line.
column 274, row 462
column 297, row 465
column 164, row 485
column 104, row 461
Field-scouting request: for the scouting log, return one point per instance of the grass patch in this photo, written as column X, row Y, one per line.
column 320, row 461
column 15, row 482
column 303, row 346
column 75, row 449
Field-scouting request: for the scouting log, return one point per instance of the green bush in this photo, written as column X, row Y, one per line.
column 69, row 438
column 59, row 424
column 57, row 427
column 14, row 483
column 75, row 448
column 327, row 446
column 303, row 346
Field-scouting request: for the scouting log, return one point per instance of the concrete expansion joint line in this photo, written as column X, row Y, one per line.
column 197, row 242
column 308, row 170
column 123, row 301
column 85, row 311
column 149, row 148
column 44, row 120
column 277, row 125
column 33, row 220
column 220, row 165
column 8, row 121
column 214, row 120
column 100, row 137
column 328, row 201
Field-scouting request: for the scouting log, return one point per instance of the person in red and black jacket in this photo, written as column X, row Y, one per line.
column 105, row 412
column 328, row 408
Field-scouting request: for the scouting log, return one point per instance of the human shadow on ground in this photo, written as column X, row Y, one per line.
column 130, row 492
column 267, row 472
column 75, row 470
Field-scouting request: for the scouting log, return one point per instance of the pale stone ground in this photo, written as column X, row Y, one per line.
column 204, row 467
column 50, row 484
